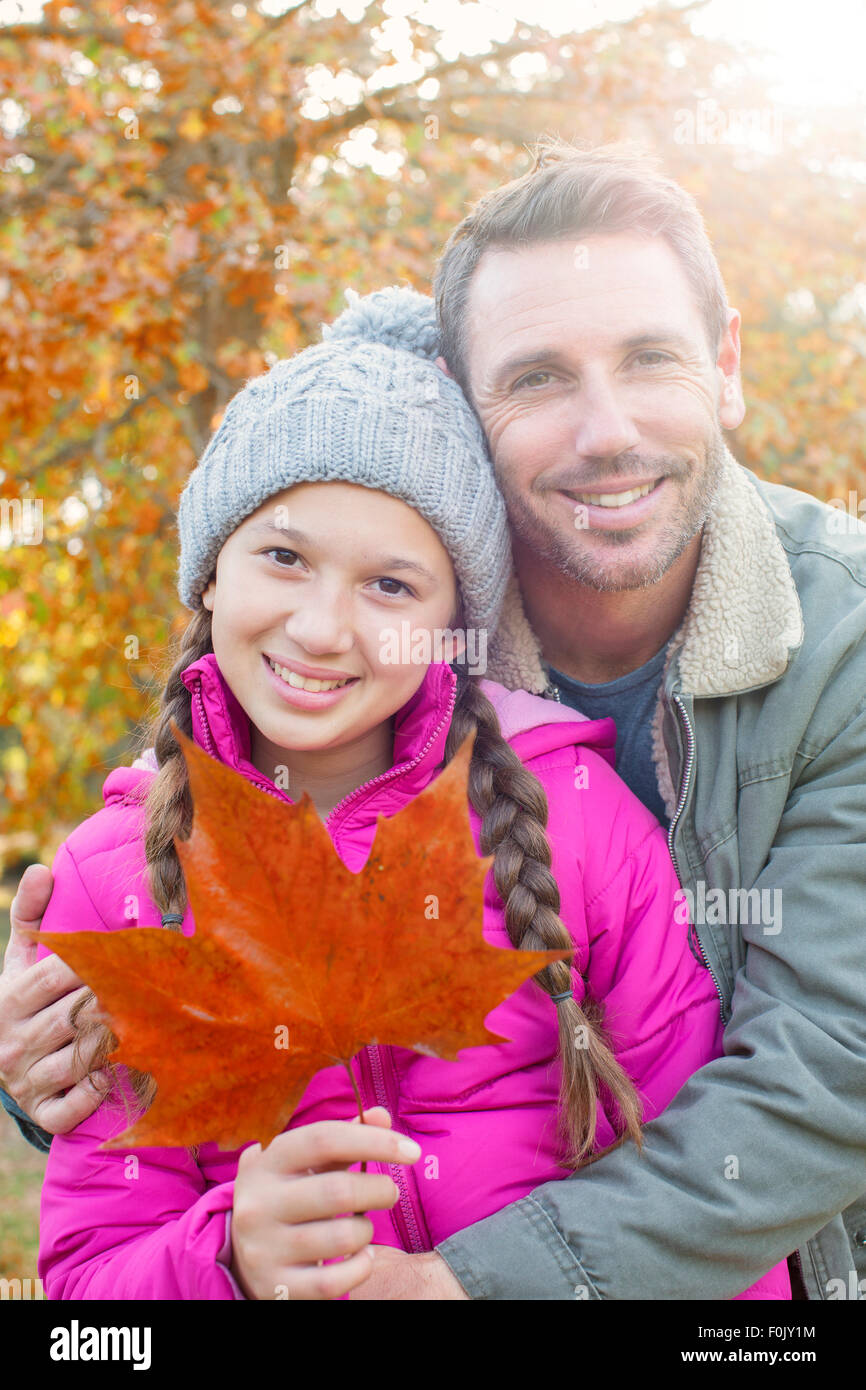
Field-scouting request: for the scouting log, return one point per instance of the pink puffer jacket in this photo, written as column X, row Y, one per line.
column 155, row 1224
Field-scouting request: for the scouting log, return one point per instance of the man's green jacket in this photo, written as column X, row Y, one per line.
column 759, row 744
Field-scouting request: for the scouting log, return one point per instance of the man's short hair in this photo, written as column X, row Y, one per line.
column 572, row 193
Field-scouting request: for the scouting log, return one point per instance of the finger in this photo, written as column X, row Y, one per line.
column 61, row 1114
column 26, row 910
column 32, row 896
column 376, row 1115
column 334, row 1142
column 308, row 1242
column 304, row 1283
column 44, row 983
column 49, row 1029
column 56, row 1072
column 42, row 1036
column 337, row 1193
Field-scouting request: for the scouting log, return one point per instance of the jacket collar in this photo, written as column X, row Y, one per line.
column 743, row 621
column 222, row 728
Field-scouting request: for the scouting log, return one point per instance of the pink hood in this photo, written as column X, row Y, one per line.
column 486, row 1123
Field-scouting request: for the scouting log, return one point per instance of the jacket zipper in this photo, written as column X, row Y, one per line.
column 394, row 772
column 800, row 1267
column 204, row 721
column 684, row 788
column 408, row 1229
column 211, row 748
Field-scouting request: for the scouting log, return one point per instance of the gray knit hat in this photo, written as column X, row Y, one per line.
column 367, row 405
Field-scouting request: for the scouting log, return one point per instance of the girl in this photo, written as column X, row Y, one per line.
column 342, row 517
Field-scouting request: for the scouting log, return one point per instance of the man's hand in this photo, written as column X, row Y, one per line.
column 396, row 1275
column 36, row 1037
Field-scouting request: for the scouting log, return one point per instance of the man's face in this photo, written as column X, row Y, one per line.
column 602, row 400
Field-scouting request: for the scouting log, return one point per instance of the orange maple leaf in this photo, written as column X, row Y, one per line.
column 297, row 963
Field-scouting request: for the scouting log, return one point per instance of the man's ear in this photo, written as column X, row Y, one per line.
column 443, row 365
column 732, row 407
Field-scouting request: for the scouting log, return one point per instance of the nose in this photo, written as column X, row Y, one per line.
column 604, row 427
column 321, row 621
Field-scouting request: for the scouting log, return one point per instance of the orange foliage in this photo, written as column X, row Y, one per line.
column 179, row 212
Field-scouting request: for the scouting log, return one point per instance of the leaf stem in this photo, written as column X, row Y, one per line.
column 348, row 1066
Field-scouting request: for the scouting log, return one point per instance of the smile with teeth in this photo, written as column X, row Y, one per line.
column 304, row 682
column 614, row 499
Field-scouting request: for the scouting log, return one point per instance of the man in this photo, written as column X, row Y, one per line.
column 720, row 620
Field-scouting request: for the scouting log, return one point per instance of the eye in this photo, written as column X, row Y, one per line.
column 392, row 593
column 275, row 551
column 530, row 377
column 660, row 358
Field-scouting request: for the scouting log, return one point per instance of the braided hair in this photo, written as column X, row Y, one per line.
column 513, row 809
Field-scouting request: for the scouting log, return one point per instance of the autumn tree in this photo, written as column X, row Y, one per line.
column 187, row 190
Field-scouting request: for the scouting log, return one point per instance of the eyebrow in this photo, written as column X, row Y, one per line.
column 669, row 336
column 397, row 562
column 549, row 356
column 388, row 562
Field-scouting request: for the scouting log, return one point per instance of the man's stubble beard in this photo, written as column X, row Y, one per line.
column 592, row 572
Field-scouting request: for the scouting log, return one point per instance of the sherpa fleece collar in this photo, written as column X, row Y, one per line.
column 742, row 623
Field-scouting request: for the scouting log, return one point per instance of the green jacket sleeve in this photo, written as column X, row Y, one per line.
column 39, row 1138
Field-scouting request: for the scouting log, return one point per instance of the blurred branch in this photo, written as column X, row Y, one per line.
column 195, row 438
column 78, row 447
column 47, row 30
column 275, row 22
column 57, row 173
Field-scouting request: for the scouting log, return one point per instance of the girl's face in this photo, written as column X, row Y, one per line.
column 307, row 592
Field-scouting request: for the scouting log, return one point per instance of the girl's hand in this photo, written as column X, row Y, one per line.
column 290, row 1201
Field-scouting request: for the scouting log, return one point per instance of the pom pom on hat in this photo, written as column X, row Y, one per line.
column 395, row 316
